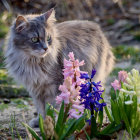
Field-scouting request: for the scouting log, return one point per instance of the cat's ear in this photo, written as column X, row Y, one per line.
column 49, row 16
column 21, row 23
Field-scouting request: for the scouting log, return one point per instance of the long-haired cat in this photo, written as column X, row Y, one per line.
column 37, row 47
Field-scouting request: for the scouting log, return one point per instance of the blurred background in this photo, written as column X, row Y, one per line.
column 119, row 19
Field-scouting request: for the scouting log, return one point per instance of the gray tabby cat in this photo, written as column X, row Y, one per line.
column 37, row 47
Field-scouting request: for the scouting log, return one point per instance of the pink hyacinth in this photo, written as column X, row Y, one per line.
column 122, row 75
column 74, row 114
column 116, row 85
column 71, row 86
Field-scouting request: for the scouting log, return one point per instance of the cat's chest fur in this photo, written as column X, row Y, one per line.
column 31, row 72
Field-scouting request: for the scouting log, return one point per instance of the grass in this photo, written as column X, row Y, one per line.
column 13, row 126
column 1, row 60
column 3, row 106
column 5, row 20
column 136, row 34
column 116, row 70
column 20, row 103
column 3, row 30
column 110, row 21
column 123, row 52
column 5, row 79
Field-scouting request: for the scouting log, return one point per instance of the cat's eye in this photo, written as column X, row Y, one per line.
column 34, row 39
column 49, row 39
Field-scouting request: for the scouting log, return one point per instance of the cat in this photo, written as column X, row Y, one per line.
column 37, row 46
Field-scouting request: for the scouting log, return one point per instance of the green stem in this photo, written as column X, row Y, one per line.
column 66, row 113
column 56, row 111
column 93, row 127
column 108, row 114
column 64, row 119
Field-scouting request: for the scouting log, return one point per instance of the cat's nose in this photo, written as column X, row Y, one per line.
column 45, row 48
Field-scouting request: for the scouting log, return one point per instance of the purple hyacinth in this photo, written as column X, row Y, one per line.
column 90, row 93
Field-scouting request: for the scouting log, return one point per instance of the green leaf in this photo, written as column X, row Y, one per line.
column 134, row 117
column 137, row 128
column 41, row 127
column 123, row 115
column 59, row 124
column 73, row 126
column 87, row 136
column 68, row 130
column 34, row 134
column 108, row 128
column 100, row 118
column 113, row 94
column 128, row 108
column 93, row 127
column 116, row 128
column 50, row 111
column 108, row 114
column 115, row 111
column 79, row 123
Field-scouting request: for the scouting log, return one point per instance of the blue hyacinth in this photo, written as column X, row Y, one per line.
column 90, row 93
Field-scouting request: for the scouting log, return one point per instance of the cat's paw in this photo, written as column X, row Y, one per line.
column 34, row 123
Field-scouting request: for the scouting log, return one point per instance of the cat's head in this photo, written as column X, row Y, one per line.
column 34, row 34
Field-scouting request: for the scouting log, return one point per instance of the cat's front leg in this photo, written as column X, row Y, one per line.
column 40, row 107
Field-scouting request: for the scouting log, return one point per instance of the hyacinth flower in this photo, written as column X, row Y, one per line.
column 90, row 93
column 91, row 98
column 122, row 75
column 128, row 83
column 132, row 85
column 71, row 86
column 125, row 103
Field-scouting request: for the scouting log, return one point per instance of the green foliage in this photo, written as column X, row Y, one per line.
column 1, row 59
column 33, row 133
column 13, row 126
column 127, row 52
column 110, row 21
column 3, row 106
column 41, row 127
column 5, row 19
column 20, row 103
column 64, row 127
column 116, row 70
column 136, row 34
column 60, row 123
column 126, row 113
column 50, row 111
column 4, row 78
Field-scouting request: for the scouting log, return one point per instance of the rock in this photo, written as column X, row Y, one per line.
column 6, row 101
